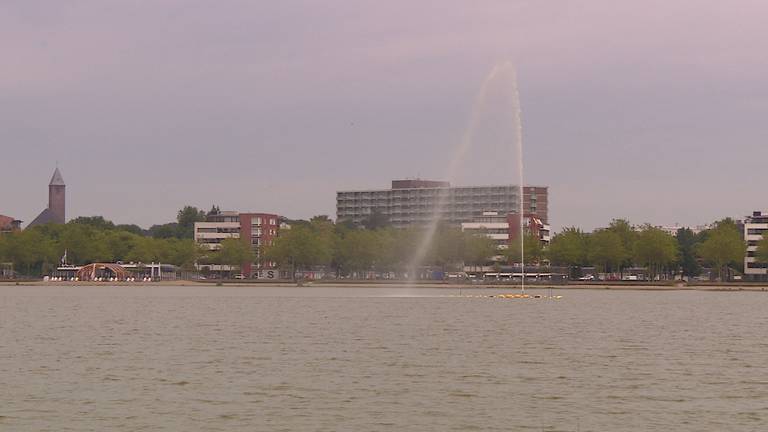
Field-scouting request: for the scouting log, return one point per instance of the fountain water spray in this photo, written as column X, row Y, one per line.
column 505, row 70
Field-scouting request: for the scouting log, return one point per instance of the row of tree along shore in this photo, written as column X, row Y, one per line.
column 353, row 251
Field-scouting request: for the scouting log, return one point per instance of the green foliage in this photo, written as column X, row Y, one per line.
column 478, row 249
column 762, row 249
column 687, row 242
column 131, row 228
column 304, row 245
column 655, row 249
column 606, row 250
column 568, row 248
column 30, row 251
column 186, row 219
column 532, row 247
column 37, row 250
column 165, row 231
column 354, row 250
column 358, row 251
column 376, row 220
column 235, row 252
column 93, row 221
column 723, row 246
column 628, row 235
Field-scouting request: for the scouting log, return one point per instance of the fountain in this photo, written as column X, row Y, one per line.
column 506, row 74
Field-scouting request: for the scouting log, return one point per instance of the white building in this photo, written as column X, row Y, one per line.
column 673, row 229
column 755, row 227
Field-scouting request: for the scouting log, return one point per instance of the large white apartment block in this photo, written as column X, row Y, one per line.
column 413, row 202
column 755, row 227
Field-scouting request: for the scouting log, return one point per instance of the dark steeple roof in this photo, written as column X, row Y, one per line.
column 57, row 179
column 46, row 216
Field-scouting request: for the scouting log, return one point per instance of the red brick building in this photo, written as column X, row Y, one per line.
column 8, row 224
column 259, row 230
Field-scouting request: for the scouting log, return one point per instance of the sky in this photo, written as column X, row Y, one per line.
column 653, row 111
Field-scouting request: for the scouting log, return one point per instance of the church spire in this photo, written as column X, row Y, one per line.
column 57, row 179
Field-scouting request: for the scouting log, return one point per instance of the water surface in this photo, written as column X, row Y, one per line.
column 164, row 358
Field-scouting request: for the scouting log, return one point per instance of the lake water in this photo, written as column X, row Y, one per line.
column 167, row 358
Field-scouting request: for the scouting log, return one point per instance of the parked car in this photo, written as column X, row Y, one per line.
column 587, row 278
column 239, row 276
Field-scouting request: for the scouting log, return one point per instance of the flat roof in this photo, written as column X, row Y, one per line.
column 448, row 187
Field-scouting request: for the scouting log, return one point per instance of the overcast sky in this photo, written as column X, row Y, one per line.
column 656, row 111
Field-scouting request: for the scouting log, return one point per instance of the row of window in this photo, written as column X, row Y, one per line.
column 219, row 230
column 258, row 232
column 256, row 221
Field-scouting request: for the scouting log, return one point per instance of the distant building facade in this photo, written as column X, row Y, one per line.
column 412, row 202
column 9, row 224
column 57, row 202
column 258, row 229
column 673, row 229
column 504, row 228
column 755, row 228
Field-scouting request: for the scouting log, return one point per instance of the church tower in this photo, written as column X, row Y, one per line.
column 57, row 200
column 57, row 203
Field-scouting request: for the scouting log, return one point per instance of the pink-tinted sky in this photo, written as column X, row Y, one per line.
column 652, row 110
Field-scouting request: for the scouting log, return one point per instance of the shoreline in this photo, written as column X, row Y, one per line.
column 734, row 287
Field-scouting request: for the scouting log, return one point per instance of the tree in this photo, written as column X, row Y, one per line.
column 655, row 249
column 447, row 248
column 534, row 251
column 568, row 248
column 628, row 236
column 84, row 244
column 235, row 252
column 29, row 250
column 606, row 250
column 357, row 251
column 165, row 231
column 120, row 243
column 478, row 249
column 762, row 249
column 303, row 246
column 131, row 228
column 687, row 242
column 185, row 253
column 186, row 219
column 97, row 222
column 376, row 220
column 723, row 247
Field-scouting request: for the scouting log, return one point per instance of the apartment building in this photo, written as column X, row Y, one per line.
column 755, row 227
column 258, row 229
column 504, row 228
column 413, row 202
